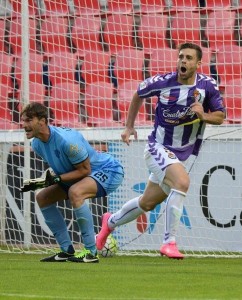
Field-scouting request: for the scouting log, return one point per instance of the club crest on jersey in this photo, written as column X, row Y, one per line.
column 142, row 85
column 73, row 150
column 197, row 96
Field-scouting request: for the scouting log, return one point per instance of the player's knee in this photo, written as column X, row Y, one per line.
column 182, row 184
column 40, row 199
column 75, row 196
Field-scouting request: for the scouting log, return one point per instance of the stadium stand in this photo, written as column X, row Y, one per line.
column 64, row 103
column 99, row 105
column 150, row 7
column 185, row 26
column 152, row 31
column 16, row 8
column 125, row 92
column 54, row 34
column 60, row 7
column 119, row 7
column 86, row 34
column 85, row 7
column 6, row 65
column 118, row 32
column 220, row 28
column 229, row 63
column 95, row 67
column 6, row 111
column 62, row 67
column 129, row 65
column 15, row 35
column 35, row 68
column 232, row 99
column 2, row 36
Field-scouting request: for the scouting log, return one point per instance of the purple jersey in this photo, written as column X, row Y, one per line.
column 176, row 126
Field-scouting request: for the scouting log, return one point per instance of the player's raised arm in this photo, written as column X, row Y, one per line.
column 132, row 114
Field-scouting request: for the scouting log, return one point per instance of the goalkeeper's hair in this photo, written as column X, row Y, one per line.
column 192, row 46
column 35, row 109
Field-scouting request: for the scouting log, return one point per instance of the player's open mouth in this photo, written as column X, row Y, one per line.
column 183, row 69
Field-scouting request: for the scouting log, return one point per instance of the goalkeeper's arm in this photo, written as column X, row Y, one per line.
column 39, row 183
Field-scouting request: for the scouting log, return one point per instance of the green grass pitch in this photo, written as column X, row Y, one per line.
column 23, row 277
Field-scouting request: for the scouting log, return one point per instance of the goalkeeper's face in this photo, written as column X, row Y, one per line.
column 33, row 127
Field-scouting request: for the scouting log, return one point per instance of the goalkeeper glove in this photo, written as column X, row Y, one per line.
column 39, row 183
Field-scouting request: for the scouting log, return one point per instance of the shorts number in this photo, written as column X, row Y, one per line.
column 101, row 176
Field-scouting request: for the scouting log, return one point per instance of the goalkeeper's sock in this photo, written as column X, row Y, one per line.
column 129, row 212
column 56, row 223
column 86, row 227
column 174, row 207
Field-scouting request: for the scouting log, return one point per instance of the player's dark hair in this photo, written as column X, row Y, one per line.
column 192, row 46
column 35, row 109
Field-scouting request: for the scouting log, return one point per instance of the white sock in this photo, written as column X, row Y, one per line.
column 129, row 212
column 174, row 208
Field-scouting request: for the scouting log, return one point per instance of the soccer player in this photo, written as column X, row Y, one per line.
column 186, row 102
column 80, row 173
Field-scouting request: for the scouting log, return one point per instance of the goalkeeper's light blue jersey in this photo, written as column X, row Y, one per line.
column 67, row 147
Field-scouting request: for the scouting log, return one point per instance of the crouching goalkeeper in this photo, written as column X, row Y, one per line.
column 80, row 173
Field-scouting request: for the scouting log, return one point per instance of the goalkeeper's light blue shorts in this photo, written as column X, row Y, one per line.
column 108, row 180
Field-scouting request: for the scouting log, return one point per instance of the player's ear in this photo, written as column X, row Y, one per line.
column 199, row 63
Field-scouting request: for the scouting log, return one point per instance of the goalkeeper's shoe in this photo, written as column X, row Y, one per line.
column 58, row 257
column 85, row 256
column 170, row 250
column 104, row 232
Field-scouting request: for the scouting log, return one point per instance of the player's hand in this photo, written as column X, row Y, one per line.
column 39, row 183
column 127, row 133
column 197, row 108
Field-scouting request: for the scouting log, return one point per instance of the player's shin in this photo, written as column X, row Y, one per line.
column 129, row 212
column 174, row 208
column 56, row 223
column 85, row 223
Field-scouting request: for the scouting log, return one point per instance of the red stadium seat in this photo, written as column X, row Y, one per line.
column 152, row 31
column 86, row 33
column 125, row 94
column 15, row 35
column 220, row 28
column 56, row 7
column 129, row 65
column 95, row 67
column 6, row 64
column 120, row 6
column 99, row 105
column 87, row 7
column 233, row 103
column 185, row 27
column 16, row 8
column 151, row 6
column 213, row 5
column 36, row 92
column 64, row 102
column 53, row 34
column 229, row 63
column 118, row 32
column 62, row 67
column 162, row 61
column 2, row 36
column 35, row 68
column 181, row 5
column 6, row 114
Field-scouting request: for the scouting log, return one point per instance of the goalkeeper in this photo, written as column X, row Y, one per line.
column 80, row 173
column 186, row 101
